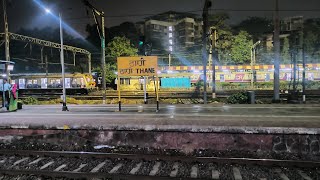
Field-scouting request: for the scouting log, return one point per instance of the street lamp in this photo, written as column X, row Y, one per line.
column 64, row 98
column 253, row 61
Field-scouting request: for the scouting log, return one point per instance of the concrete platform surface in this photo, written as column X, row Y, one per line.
column 195, row 118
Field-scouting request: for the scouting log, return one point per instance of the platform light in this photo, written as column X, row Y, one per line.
column 159, row 72
column 4, row 75
column 196, row 71
column 169, row 72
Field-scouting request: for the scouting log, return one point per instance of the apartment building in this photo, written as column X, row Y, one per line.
column 173, row 31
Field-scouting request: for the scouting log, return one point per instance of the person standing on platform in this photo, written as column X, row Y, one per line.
column 6, row 87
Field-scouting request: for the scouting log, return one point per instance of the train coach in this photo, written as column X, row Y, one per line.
column 52, row 83
column 187, row 76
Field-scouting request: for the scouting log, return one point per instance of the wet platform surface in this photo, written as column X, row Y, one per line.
column 170, row 117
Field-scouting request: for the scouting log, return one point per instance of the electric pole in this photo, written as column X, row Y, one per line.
column 214, row 55
column 6, row 37
column 303, row 63
column 276, row 81
column 205, row 15
column 253, row 62
column 102, row 35
column 103, row 58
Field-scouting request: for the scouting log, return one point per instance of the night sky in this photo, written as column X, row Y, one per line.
column 25, row 13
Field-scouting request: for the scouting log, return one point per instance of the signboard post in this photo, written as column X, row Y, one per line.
column 137, row 66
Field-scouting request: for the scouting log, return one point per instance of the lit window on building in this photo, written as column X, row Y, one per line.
column 170, row 48
column 170, row 35
column 170, row 28
column 170, row 41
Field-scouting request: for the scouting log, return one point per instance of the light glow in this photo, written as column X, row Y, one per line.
column 48, row 11
column 56, row 18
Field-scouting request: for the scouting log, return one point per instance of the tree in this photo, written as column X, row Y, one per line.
column 225, row 36
column 219, row 20
column 241, row 48
column 224, row 44
column 121, row 46
column 126, row 29
column 312, row 40
column 285, row 53
column 256, row 27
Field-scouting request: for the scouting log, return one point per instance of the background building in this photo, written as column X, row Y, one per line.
column 290, row 26
column 173, row 31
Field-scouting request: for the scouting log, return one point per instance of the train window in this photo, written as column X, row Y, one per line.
column 125, row 81
column 44, row 83
column 29, row 83
column 82, row 81
column 52, row 83
column 22, row 83
column 68, row 82
column 76, row 82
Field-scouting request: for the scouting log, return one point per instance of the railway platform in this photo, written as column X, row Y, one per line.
column 216, row 117
column 186, row 128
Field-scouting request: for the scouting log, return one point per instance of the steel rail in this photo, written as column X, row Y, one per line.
column 77, row 175
column 154, row 157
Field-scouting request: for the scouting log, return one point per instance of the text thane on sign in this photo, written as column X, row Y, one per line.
column 138, row 71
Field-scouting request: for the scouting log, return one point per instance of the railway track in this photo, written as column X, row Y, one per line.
column 166, row 94
column 63, row 164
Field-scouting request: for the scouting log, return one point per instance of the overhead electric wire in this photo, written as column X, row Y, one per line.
column 193, row 11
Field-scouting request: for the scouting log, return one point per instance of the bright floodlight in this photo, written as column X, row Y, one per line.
column 48, row 11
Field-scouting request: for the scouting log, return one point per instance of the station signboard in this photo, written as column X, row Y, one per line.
column 138, row 66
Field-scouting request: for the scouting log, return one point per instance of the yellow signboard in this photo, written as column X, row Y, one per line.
column 138, row 66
